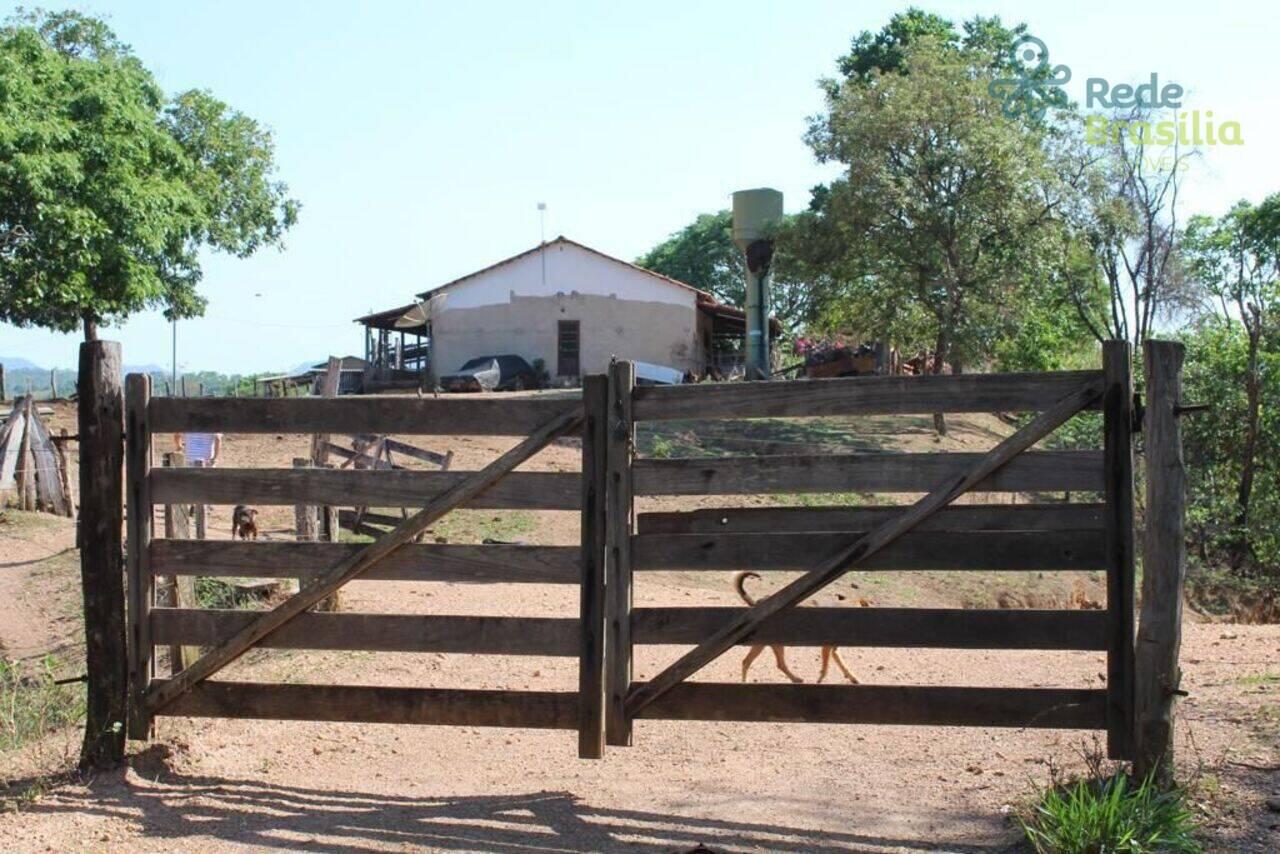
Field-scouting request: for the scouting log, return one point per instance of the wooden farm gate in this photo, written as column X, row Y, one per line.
column 1092, row 532
column 323, row 567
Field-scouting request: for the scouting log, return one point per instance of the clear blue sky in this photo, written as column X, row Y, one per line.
column 420, row 136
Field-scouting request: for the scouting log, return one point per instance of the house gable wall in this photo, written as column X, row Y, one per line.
column 622, row 311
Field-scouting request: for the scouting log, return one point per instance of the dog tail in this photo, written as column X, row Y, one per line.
column 740, row 585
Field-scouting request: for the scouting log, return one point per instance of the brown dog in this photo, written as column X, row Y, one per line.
column 244, row 523
column 779, row 651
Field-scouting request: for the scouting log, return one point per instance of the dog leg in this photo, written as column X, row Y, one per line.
column 826, row 662
column 780, row 656
column 752, row 655
column 835, row 653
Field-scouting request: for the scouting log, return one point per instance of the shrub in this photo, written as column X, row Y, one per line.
column 1095, row 816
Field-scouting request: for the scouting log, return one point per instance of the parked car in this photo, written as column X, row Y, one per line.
column 491, row 373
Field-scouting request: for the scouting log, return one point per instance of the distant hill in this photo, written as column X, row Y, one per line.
column 145, row 369
column 17, row 363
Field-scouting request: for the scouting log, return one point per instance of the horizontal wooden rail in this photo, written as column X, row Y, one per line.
column 370, row 488
column 377, row 632
column 1045, row 471
column 451, row 415
column 935, row 550
column 962, row 517
column 382, row 705
column 413, row 562
column 1043, row 708
column 859, row 396
column 934, row 628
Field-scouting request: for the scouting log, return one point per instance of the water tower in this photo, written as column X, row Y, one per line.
column 755, row 214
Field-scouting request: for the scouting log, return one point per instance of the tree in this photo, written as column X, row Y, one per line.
column 108, row 189
column 947, row 208
column 1235, row 262
column 1129, row 224
column 704, row 255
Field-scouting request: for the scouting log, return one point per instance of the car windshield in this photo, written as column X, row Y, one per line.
column 482, row 362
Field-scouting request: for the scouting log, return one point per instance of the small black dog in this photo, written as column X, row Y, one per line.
column 244, row 523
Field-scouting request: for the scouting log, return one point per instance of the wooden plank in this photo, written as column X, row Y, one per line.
column 382, row 705
column 350, row 455
column 1164, row 563
column 934, row 628
column 335, row 577
column 1117, row 407
column 137, row 445
column 345, row 487
column 863, row 547
column 100, row 416
column 173, row 590
column 1047, row 471
column 961, row 517
column 378, row 632
column 1025, row 392
column 620, row 514
column 933, row 550
column 414, row 562
column 592, row 536
column 408, row 450
column 911, row 705
column 496, row 415
column 16, row 435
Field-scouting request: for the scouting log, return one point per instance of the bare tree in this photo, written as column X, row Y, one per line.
column 1131, row 229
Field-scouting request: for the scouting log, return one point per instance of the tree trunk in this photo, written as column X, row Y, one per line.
column 90, row 325
column 939, row 356
column 1244, row 494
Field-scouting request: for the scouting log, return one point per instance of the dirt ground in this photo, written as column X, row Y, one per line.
column 241, row 785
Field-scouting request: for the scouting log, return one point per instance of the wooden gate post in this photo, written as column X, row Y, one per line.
column 101, row 426
column 595, row 479
column 178, row 591
column 140, row 520
column 1117, row 408
column 1163, row 564
column 620, row 516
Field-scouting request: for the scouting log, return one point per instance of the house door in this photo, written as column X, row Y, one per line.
column 568, row 341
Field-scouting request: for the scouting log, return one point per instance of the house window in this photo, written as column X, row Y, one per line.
column 568, row 342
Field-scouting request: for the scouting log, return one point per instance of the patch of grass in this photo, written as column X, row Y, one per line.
column 31, row 705
column 474, row 526
column 1092, row 816
column 222, row 593
column 1256, row 679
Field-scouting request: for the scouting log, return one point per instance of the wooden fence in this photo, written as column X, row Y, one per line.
column 394, row 557
column 1086, row 525
column 1095, row 532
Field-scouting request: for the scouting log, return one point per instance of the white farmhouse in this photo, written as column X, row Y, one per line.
column 566, row 304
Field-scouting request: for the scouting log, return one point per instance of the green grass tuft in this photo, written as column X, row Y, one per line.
column 31, row 705
column 1111, row 815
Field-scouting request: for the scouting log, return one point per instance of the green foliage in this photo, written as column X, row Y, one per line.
column 1214, row 374
column 703, row 254
column 108, row 189
column 222, row 593
column 943, row 226
column 1111, row 815
column 31, row 705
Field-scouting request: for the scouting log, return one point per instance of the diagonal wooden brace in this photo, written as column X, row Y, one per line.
column 865, row 546
column 324, row 585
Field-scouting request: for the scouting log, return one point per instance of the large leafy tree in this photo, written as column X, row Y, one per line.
column 109, row 189
column 947, row 210
column 704, row 255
